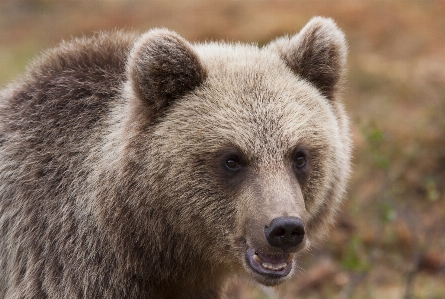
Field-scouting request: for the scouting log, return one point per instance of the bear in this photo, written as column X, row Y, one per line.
column 146, row 166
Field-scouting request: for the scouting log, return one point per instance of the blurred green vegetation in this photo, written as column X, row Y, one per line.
column 389, row 240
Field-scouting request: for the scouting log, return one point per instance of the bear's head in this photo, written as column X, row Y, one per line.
column 239, row 154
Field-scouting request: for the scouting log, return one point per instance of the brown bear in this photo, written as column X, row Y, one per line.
column 149, row 167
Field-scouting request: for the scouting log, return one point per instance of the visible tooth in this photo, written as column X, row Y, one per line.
column 277, row 267
column 282, row 266
column 267, row 266
column 291, row 257
column 257, row 258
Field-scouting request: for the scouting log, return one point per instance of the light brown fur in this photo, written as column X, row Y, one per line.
column 111, row 182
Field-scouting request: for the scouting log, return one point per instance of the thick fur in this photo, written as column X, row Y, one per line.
column 111, row 154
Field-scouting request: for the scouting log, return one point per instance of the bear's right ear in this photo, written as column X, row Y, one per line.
column 162, row 67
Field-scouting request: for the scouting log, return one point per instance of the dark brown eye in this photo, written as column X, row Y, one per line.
column 232, row 164
column 300, row 161
column 301, row 164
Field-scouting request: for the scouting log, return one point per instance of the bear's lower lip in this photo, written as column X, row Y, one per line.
column 271, row 266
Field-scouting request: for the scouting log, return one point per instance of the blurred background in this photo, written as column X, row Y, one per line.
column 389, row 240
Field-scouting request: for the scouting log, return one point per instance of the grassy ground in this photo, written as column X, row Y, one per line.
column 389, row 241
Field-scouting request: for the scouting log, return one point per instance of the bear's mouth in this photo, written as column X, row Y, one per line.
column 271, row 266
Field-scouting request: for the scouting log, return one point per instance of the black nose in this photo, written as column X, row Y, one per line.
column 285, row 232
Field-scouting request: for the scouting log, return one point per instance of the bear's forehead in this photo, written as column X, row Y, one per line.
column 232, row 62
column 251, row 100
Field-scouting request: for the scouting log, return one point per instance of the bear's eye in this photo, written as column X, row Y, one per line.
column 232, row 164
column 300, row 160
column 301, row 165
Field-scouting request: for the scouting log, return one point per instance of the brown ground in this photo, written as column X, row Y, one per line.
column 390, row 240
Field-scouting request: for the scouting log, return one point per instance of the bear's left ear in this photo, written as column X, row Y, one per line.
column 162, row 67
column 317, row 54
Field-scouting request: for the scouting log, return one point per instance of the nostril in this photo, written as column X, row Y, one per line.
column 280, row 233
column 285, row 232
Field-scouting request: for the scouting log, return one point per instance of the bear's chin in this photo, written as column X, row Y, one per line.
column 267, row 269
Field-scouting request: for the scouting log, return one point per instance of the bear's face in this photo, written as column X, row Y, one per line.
column 250, row 143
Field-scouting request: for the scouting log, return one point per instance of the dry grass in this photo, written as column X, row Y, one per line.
column 389, row 242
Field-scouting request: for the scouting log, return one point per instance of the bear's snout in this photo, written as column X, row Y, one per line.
column 285, row 232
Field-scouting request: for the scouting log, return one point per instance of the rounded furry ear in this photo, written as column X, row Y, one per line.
column 162, row 67
column 317, row 53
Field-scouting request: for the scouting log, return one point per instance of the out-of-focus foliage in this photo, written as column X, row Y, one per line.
column 389, row 241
